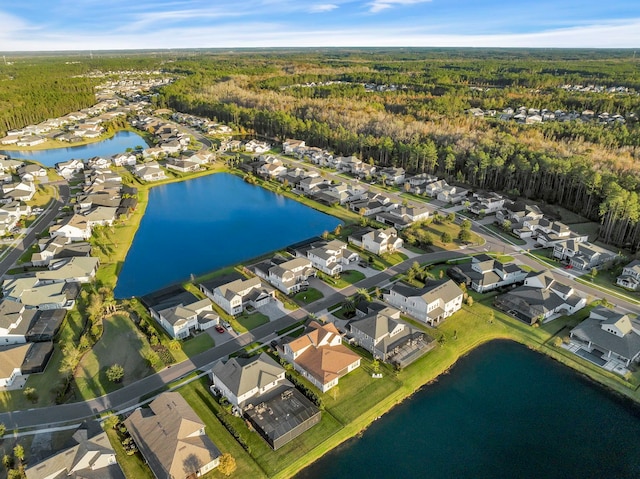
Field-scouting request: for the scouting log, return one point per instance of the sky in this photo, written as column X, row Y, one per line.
column 45, row 25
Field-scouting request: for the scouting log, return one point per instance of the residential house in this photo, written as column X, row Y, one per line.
column 539, row 298
column 517, row 212
column 101, row 216
column 74, row 228
column 403, row 216
column 290, row 146
column 289, row 277
column 320, row 356
column 330, row 257
column 452, row 194
column 630, row 277
column 372, row 204
column 77, row 269
column 11, row 360
column 172, row 439
column 67, row 169
column 431, row 304
column 182, row 165
column 243, row 380
column 486, row 203
column 182, row 319
column 377, row 241
column 31, row 171
column 124, row 159
column 388, row 338
column 15, row 321
column 608, row 335
column 308, row 184
column 33, row 294
column 236, row 295
column 391, row 176
column 89, row 454
column 485, row 273
column 582, row 255
column 150, row 171
column 22, row 191
column 434, row 188
column 256, row 146
column 418, row 183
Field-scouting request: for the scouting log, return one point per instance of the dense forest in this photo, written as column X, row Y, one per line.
column 422, row 124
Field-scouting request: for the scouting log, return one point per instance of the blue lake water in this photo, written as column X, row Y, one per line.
column 118, row 143
column 203, row 224
column 503, row 412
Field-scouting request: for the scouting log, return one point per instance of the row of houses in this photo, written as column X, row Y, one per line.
column 86, row 123
column 531, row 116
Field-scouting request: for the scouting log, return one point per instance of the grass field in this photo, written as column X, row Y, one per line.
column 253, row 320
column 121, row 343
column 197, row 344
column 308, row 296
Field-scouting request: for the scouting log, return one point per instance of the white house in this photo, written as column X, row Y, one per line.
column 236, row 295
column 430, row 304
column 179, row 321
column 630, row 277
column 290, row 276
column 377, row 241
column 242, row 380
column 330, row 257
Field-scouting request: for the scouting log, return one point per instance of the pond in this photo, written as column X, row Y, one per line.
column 503, row 412
column 118, row 143
column 204, row 224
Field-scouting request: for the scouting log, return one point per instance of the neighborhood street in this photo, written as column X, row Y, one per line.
column 129, row 396
column 42, row 222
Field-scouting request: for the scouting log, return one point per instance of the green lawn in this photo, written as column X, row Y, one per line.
column 199, row 398
column 509, row 237
column 133, row 466
column 197, row 344
column 46, row 382
column 253, row 320
column 308, row 296
column 121, row 343
column 345, row 279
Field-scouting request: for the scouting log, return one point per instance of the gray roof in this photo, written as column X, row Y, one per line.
column 627, row 346
column 87, row 453
column 241, row 375
column 167, row 436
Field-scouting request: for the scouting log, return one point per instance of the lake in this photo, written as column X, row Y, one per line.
column 503, row 412
column 118, row 143
column 204, row 224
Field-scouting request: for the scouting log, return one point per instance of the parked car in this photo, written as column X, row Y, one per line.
column 219, row 328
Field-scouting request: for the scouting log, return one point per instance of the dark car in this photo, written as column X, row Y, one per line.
column 219, row 328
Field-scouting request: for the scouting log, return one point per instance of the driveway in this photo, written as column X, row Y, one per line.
column 274, row 310
column 221, row 338
column 321, row 286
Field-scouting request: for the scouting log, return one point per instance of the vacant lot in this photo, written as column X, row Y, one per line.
column 121, row 343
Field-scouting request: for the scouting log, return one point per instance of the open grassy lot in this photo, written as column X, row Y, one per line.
column 121, row 343
column 308, row 296
column 197, row 344
column 253, row 320
column 436, row 230
column 345, row 279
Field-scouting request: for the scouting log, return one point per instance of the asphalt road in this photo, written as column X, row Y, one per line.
column 130, row 395
column 43, row 222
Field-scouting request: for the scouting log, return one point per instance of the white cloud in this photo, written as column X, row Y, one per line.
column 379, row 5
column 322, row 7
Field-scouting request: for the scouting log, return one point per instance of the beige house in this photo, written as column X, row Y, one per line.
column 320, row 356
column 171, row 438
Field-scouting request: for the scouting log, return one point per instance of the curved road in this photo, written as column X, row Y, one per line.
column 129, row 396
